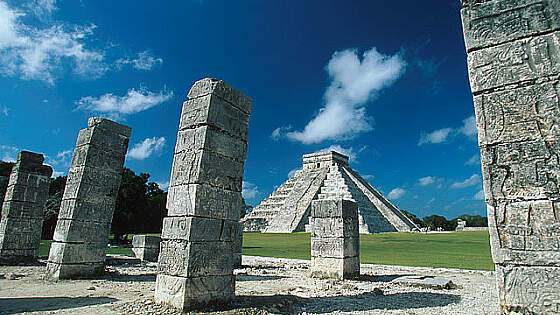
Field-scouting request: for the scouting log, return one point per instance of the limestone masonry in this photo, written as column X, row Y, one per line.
column 335, row 239
column 324, row 175
column 86, row 211
column 195, row 266
column 22, row 210
column 145, row 247
column 514, row 66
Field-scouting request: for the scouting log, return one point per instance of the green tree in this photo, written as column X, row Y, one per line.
column 245, row 208
column 52, row 206
column 474, row 220
column 6, row 168
column 437, row 221
column 413, row 218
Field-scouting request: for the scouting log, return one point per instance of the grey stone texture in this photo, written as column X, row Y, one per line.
column 22, row 210
column 237, row 244
column 146, row 247
column 3, row 187
column 324, row 175
column 201, row 234
column 513, row 59
column 335, row 239
column 86, row 211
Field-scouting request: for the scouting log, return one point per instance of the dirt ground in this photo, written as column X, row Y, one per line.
column 263, row 286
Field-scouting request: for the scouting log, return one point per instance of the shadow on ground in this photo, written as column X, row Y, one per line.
column 37, row 304
column 246, row 277
column 383, row 278
column 290, row 304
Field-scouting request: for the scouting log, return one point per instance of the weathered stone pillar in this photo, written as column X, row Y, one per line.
column 3, row 187
column 335, row 239
column 22, row 210
column 146, row 247
column 195, row 267
column 514, row 65
column 86, row 211
column 237, row 244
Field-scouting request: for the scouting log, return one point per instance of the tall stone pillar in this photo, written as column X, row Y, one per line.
column 86, row 211
column 195, row 267
column 22, row 210
column 335, row 239
column 513, row 51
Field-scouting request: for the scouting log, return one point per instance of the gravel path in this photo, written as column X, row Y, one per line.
column 263, row 286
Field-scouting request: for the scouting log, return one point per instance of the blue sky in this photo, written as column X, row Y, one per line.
column 383, row 81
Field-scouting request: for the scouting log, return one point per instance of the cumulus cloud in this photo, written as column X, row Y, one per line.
column 163, row 185
column 38, row 54
column 62, row 159
column 43, row 9
column 471, row 181
column 479, row 195
column 354, row 80
column 8, row 153
column 437, row 136
column 428, row 180
column 115, row 106
column 249, row 190
column 468, row 129
column 143, row 61
column 279, row 132
column 146, row 148
column 474, row 160
column 292, row 172
column 349, row 152
column 396, row 193
column 368, row 177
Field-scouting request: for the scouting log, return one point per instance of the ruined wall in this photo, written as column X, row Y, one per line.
column 513, row 51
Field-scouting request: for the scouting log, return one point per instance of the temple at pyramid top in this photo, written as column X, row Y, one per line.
column 324, row 175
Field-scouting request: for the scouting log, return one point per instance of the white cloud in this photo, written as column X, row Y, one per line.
column 146, row 148
column 292, row 172
column 39, row 54
column 43, row 9
column 474, row 160
column 437, row 136
column 355, row 80
column 4, row 110
column 144, row 61
column 428, row 180
column 249, row 190
column 56, row 174
column 468, row 129
column 279, row 132
column 163, row 185
column 117, row 106
column 368, row 177
column 396, row 193
column 479, row 195
column 8, row 153
column 349, row 152
column 62, row 159
column 471, row 181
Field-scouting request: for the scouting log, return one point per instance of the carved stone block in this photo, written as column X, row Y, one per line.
column 87, row 206
column 334, row 208
column 328, row 267
column 22, row 209
column 494, row 22
column 197, row 229
column 146, row 247
column 204, row 201
column 211, row 139
column 193, row 259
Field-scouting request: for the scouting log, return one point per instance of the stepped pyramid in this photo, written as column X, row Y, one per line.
column 324, row 175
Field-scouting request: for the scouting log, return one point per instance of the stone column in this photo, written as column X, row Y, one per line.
column 22, row 210
column 335, row 239
column 86, row 211
column 195, row 267
column 146, row 247
column 237, row 245
column 514, row 66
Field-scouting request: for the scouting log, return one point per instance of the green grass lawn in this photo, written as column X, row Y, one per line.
column 465, row 250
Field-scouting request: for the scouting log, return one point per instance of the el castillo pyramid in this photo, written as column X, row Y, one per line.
column 324, row 175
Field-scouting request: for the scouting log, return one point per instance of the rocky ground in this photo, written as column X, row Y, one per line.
column 263, row 286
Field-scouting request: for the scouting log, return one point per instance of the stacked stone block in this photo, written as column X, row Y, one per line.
column 237, row 244
column 195, row 267
column 335, row 239
column 146, row 247
column 22, row 210
column 86, row 211
column 513, row 51
column 3, row 187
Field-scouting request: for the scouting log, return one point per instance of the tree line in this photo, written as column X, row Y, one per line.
column 437, row 221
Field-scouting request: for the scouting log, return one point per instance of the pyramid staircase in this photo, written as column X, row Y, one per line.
column 324, row 175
